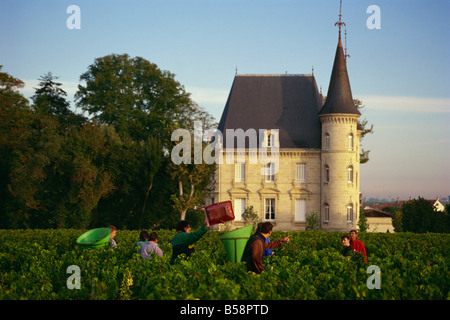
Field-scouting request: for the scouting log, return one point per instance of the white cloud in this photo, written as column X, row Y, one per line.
column 201, row 95
column 205, row 95
column 407, row 104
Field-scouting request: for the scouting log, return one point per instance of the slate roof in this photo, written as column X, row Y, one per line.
column 339, row 97
column 374, row 213
column 287, row 102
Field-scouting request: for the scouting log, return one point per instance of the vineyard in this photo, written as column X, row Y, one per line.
column 34, row 265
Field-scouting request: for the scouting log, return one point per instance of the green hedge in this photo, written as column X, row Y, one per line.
column 34, row 266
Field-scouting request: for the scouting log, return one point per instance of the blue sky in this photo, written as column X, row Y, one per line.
column 400, row 72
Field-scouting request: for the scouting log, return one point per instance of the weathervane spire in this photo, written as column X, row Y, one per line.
column 346, row 55
column 340, row 23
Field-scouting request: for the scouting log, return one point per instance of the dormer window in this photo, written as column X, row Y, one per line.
column 271, row 139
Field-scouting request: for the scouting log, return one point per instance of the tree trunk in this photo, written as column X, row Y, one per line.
column 145, row 201
column 183, row 215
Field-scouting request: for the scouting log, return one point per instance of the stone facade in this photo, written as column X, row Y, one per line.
column 340, row 156
column 301, row 186
column 317, row 148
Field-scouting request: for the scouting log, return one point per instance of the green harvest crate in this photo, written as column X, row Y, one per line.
column 235, row 241
column 94, row 238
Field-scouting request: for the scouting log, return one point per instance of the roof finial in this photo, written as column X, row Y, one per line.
column 340, row 23
column 312, row 70
column 236, row 70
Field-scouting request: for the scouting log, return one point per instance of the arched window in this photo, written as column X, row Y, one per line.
column 350, row 213
column 327, row 141
column 350, row 141
column 350, row 174
column 327, row 212
column 327, row 173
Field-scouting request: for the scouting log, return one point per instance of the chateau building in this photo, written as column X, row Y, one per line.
column 307, row 151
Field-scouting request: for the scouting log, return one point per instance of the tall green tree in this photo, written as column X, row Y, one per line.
column 143, row 104
column 133, row 95
column 133, row 166
column 15, row 114
column 419, row 215
column 50, row 99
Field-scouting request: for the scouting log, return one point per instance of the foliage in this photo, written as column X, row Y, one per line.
column 312, row 221
column 193, row 174
column 250, row 216
column 396, row 218
column 362, row 223
column 34, row 266
column 133, row 95
column 365, row 129
column 49, row 97
column 418, row 215
column 61, row 170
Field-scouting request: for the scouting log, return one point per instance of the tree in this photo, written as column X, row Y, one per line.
column 10, row 97
column 363, row 124
column 50, row 99
column 143, row 104
column 133, row 95
column 418, row 215
column 191, row 177
column 396, row 218
column 312, row 221
column 251, row 217
column 15, row 115
column 133, row 166
column 362, row 223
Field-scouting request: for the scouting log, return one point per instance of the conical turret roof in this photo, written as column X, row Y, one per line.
column 339, row 98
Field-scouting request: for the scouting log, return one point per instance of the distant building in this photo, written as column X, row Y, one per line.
column 379, row 221
column 437, row 205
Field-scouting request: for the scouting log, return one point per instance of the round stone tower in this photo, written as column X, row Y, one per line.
column 340, row 151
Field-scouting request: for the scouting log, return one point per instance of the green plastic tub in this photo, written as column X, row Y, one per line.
column 235, row 241
column 94, row 238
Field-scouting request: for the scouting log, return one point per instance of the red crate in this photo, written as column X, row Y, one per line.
column 219, row 212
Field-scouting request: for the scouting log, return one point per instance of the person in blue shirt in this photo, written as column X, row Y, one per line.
column 267, row 252
column 143, row 239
